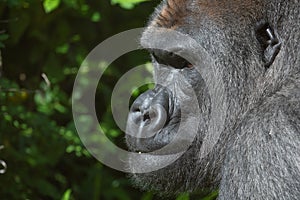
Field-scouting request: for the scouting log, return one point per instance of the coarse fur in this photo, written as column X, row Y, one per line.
column 257, row 155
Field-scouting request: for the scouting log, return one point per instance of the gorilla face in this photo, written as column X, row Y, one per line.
column 232, row 40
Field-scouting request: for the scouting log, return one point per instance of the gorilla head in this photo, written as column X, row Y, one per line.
column 236, row 92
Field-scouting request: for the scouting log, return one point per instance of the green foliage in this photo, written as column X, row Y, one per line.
column 3, row 37
column 183, row 196
column 50, row 5
column 212, row 195
column 127, row 4
column 67, row 195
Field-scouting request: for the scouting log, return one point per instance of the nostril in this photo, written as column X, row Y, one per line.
column 150, row 115
column 136, row 110
column 146, row 117
column 170, row 59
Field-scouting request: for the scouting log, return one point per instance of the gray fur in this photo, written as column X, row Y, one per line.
column 258, row 153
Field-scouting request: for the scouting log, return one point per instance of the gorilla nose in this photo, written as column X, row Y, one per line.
column 147, row 116
column 170, row 59
column 148, row 119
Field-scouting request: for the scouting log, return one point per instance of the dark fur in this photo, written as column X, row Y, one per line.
column 258, row 154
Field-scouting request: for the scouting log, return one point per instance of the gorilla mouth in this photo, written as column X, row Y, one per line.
column 170, row 59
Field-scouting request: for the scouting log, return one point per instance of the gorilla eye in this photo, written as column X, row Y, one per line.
column 170, row 59
column 269, row 42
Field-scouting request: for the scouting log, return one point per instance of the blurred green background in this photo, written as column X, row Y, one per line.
column 42, row 44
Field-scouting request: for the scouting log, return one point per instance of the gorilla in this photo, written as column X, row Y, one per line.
column 255, row 152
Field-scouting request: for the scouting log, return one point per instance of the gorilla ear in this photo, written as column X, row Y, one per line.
column 269, row 41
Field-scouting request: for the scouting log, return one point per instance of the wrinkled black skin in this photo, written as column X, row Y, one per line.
column 258, row 153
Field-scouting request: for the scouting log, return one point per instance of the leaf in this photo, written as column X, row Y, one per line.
column 127, row 4
column 147, row 196
column 96, row 17
column 184, row 196
column 4, row 37
column 212, row 195
column 63, row 49
column 66, row 195
column 50, row 5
